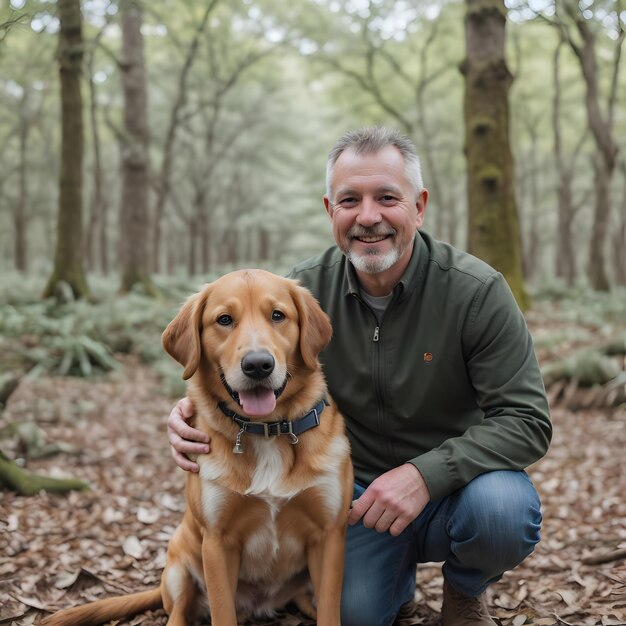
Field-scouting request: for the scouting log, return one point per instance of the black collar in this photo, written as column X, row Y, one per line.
column 274, row 429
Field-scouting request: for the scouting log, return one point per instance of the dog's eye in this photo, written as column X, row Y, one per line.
column 277, row 316
column 224, row 320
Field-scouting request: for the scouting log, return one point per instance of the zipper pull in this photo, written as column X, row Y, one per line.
column 376, row 333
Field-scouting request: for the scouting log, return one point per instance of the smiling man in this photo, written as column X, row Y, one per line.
column 433, row 367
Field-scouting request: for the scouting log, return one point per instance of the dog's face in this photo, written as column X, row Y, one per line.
column 250, row 332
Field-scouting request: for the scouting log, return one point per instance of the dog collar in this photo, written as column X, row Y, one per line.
column 273, row 429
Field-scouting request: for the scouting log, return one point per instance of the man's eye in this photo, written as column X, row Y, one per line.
column 387, row 198
column 348, row 201
column 277, row 316
column 224, row 320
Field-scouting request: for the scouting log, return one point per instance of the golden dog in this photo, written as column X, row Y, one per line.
column 267, row 513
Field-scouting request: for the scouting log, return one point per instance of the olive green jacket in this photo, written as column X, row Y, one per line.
column 448, row 380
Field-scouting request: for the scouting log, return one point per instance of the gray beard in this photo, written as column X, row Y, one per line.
column 373, row 263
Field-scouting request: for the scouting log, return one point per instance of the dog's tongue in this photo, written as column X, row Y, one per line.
column 257, row 402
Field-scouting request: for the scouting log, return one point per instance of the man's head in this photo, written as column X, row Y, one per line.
column 371, row 140
column 375, row 199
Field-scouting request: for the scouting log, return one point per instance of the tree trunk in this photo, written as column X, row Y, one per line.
column 168, row 150
column 13, row 477
column 532, row 250
column 619, row 239
column 493, row 229
column 68, row 260
column 205, row 244
column 265, row 245
column 565, row 263
column 134, row 205
column 21, row 213
column 97, row 241
column 565, row 257
column 596, row 271
column 601, row 127
column 192, row 253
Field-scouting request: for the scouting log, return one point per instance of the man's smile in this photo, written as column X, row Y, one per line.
column 372, row 238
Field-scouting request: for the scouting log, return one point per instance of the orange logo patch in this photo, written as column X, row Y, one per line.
column 428, row 357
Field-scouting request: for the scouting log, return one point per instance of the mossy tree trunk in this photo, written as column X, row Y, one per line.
column 493, row 229
column 134, row 205
column 68, row 260
column 13, row 477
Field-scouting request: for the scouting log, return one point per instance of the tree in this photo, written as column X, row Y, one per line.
column 134, row 205
column 165, row 173
column 568, row 17
column 68, row 260
column 493, row 230
column 96, row 236
column 565, row 266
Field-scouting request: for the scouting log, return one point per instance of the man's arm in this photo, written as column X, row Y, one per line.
column 504, row 373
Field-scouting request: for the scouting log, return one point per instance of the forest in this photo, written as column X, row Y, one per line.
column 147, row 148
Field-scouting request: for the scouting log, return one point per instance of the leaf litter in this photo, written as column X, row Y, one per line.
column 57, row 551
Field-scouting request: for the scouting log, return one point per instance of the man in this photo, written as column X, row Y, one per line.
column 432, row 365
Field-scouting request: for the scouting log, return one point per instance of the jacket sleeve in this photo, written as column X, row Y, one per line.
column 503, row 370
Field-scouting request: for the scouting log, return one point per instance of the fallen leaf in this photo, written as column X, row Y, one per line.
column 132, row 547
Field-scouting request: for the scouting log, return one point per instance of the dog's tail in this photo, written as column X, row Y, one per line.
column 103, row 611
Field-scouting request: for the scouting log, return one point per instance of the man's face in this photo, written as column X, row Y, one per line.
column 374, row 209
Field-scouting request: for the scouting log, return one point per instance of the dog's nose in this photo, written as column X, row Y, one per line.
column 257, row 365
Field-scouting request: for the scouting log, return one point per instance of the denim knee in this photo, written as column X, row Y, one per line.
column 367, row 604
column 367, row 612
column 498, row 522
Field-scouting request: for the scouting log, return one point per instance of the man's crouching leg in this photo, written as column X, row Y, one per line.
column 481, row 531
column 493, row 525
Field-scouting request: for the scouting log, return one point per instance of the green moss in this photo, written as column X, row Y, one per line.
column 490, row 176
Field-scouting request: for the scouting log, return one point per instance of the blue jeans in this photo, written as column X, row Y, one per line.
column 480, row 531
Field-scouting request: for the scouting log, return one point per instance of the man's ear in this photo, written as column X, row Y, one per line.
column 328, row 206
column 315, row 327
column 181, row 338
column 420, row 205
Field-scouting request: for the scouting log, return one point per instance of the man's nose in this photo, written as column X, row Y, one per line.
column 369, row 212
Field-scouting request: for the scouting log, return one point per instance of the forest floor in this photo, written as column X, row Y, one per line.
column 57, row 551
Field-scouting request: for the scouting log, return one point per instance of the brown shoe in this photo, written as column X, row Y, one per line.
column 461, row 610
column 407, row 612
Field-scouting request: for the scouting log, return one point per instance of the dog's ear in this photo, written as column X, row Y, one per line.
column 315, row 328
column 181, row 338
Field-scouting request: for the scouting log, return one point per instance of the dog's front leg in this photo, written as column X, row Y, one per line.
column 325, row 562
column 221, row 571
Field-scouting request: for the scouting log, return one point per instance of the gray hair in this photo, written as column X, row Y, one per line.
column 372, row 140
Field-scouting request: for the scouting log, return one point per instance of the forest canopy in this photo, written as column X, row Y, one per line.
column 242, row 101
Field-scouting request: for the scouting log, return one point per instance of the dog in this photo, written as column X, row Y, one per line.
column 267, row 513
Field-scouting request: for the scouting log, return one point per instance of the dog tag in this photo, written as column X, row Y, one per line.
column 239, row 449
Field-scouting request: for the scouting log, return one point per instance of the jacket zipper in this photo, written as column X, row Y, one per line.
column 376, row 333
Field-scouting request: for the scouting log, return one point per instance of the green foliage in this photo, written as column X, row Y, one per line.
column 80, row 338
column 603, row 313
column 588, row 368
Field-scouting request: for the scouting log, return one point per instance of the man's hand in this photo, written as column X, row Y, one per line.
column 183, row 438
column 392, row 501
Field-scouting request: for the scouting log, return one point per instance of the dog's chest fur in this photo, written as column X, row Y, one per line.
column 266, row 548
